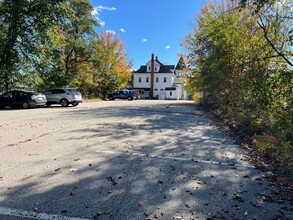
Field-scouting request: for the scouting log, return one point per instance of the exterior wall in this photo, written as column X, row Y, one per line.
column 159, row 87
column 143, row 83
column 156, row 66
column 173, row 94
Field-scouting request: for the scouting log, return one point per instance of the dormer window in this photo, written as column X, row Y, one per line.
column 149, row 69
column 157, row 68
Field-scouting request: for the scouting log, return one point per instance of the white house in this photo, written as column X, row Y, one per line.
column 156, row 80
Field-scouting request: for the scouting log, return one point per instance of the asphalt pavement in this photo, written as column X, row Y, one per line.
column 118, row 160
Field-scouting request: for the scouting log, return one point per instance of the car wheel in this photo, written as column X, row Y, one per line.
column 129, row 98
column 75, row 104
column 48, row 104
column 111, row 98
column 64, row 102
column 25, row 105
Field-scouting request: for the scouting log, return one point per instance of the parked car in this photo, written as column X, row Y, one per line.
column 22, row 98
column 63, row 96
column 123, row 94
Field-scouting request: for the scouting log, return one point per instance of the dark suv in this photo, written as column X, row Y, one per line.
column 22, row 98
column 63, row 96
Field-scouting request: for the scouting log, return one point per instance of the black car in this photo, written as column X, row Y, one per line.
column 21, row 98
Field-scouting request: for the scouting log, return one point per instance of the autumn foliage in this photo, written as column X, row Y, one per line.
column 239, row 58
column 50, row 43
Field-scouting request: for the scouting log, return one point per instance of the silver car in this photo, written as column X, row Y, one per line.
column 63, row 96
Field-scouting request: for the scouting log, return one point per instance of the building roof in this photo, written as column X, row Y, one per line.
column 181, row 64
column 170, row 88
column 142, row 69
column 163, row 68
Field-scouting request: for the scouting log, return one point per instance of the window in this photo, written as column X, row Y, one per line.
column 58, row 91
column 139, row 79
column 156, row 89
column 171, row 93
column 149, row 68
column 157, row 79
column 162, row 89
column 147, row 79
column 8, row 95
column 165, row 79
column 49, row 92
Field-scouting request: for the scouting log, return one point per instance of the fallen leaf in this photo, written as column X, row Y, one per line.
column 160, row 182
column 237, row 197
column 200, row 182
column 112, row 180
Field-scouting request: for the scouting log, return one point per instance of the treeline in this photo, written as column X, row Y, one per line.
column 241, row 59
column 54, row 43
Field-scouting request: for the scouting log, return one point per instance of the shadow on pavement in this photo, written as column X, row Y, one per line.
column 151, row 162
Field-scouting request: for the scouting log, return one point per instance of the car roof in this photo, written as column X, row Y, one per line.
column 60, row 88
column 20, row 90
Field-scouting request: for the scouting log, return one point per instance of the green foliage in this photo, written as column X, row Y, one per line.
column 23, row 26
column 242, row 75
column 53, row 43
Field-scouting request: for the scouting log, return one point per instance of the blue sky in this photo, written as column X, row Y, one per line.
column 148, row 26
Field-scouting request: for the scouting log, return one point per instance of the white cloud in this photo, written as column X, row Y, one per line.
column 144, row 40
column 122, row 30
column 102, row 23
column 97, row 11
column 167, row 47
column 112, row 32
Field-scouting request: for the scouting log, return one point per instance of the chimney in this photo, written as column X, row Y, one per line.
column 152, row 76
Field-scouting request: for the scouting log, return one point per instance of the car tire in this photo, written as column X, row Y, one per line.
column 25, row 105
column 48, row 104
column 75, row 104
column 129, row 98
column 64, row 102
column 111, row 98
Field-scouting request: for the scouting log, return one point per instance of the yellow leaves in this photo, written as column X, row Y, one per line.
column 263, row 141
column 266, row 144
column 197, row 97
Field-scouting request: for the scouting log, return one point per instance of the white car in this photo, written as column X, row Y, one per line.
column 63, row 96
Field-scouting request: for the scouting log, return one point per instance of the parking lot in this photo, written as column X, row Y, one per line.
column 139, row 159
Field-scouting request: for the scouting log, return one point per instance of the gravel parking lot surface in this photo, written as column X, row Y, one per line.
column 127, row 160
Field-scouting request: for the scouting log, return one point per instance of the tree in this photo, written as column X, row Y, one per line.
column 71, row 47
column 111, row 66
column 257, row 3
column 275, row 17
column 23, row 25
column 243, row 77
